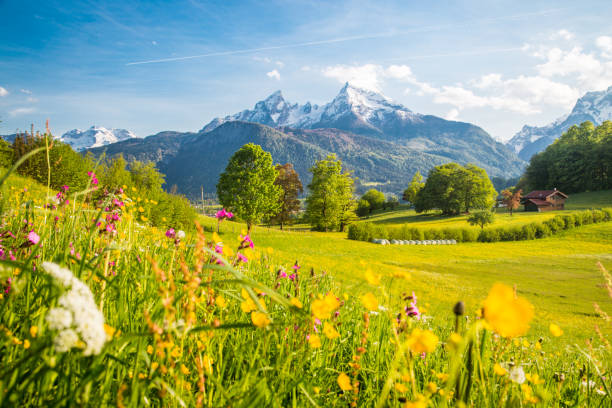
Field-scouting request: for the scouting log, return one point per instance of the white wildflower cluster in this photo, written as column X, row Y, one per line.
column 76, row 317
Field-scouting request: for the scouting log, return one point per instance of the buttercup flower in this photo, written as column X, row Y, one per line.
column 507, row 314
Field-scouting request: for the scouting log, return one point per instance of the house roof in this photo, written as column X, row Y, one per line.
column 539, row 203
column 542, row 194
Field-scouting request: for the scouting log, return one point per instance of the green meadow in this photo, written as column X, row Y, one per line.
column 558, row 274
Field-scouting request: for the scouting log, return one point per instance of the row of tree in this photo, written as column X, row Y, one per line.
column 256, row 190
column 580, row 160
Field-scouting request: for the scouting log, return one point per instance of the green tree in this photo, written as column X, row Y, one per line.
column 453, row 189
column 375, row 198
column 580, row 160
column 363, row 207
column 413, row 189
column 481, row 218
column 116, row 174
column 291, row 185
column 330, row 204
column 247, row 188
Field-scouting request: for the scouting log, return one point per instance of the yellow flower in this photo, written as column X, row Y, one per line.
column 323, row 308
column 154, row 365
column 432, row 387
column 150, row 349
column 176, row 352
column 344, row 382
column 330, row 331
column 454, row 340
column 499, row 370
column 207, row 363
column 372, row 278
column 184, row 369
column 221, row 302
column 421, row 402
column 317, row 390
column 508, row 315
column 555, row 330
column 26, row 344
column 270, row 250
column 422, row 341
column 399, row 387
column 109, row 330
column 369, row 301
column 140, row 209
column 296, row 302
column 314, row 341
column 534, row 379
column 248, row 305
column 33, row 331
column 260, row 319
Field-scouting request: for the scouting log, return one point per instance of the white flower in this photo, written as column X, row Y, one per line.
column 65, row 340
column 180, row 234
column 517, row 374
column 593, row 386
column 78, row 314
column 59, row 318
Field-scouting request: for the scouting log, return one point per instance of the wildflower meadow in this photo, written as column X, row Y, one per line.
column 101, row 309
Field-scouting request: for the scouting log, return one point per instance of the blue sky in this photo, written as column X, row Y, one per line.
column 498, row 64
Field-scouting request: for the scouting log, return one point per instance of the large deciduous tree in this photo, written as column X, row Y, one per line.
column 453, row 189
column 291, row 185
column 247, row 188
column 330, row 204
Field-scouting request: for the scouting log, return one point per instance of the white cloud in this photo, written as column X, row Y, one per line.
column 31, row 99
column 366, row 76
column 25, row 91
column 564, row 34
column 281, row 64
column 369, row 76
column 487, row 80
column 274, row 74
column 452, row 114
column 3, row 92
column 21, row 111
column 589, row 72
column 605, row 45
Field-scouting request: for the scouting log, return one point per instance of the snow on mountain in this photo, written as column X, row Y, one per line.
column 95, row 136
column 593, row 106
column 363, row 106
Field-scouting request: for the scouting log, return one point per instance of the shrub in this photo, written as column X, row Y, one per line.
column 607, row 213
column 529, row 231
column 598, row 216
column 489, row 235
column 541, row 230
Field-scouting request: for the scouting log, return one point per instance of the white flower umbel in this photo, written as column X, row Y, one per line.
column 76, row 317
column 180, row 234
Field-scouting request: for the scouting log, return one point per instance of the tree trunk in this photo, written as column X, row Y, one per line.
column 249, row 227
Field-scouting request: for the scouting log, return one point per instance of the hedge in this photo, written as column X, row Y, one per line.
column 366, row 231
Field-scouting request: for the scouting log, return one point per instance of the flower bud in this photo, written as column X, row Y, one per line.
column 459, row 308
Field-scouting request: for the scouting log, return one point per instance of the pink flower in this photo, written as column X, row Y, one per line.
column 33, row 237
column 170, row 233
column 246, row 241
column 94, row 179
column 223, row 214
column 241, row 257
column 282, row 274
column 292, row 276
column 296, row 266
column 12, row 256
column 65, row 188
column 219, row 249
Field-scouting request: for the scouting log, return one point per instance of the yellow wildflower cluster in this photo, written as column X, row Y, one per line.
column 323, row 308
column 422, row 341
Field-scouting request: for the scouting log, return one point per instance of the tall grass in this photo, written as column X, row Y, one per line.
column 189, row 322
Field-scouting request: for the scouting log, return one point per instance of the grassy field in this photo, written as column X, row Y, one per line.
column 558, row 274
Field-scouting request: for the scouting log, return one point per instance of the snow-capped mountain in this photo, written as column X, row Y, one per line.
column 593, row 106
column 95, row 136
column 352, row 109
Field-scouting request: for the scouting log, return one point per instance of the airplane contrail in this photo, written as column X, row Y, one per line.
column 345, row 39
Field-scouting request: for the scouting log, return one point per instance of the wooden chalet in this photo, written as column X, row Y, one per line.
column 544, row 200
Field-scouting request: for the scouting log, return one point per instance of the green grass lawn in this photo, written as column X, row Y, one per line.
column 557, row 274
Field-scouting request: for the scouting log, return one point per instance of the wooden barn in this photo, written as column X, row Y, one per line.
column 544, row 200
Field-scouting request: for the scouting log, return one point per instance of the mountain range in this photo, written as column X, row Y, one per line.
column 382, row 142
column 593, row 106
column 95, row 136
